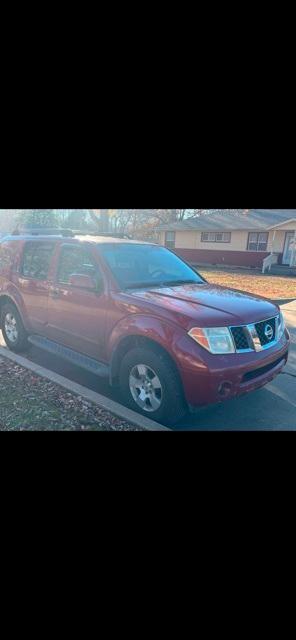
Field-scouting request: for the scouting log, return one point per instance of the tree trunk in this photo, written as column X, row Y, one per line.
column 101, row 218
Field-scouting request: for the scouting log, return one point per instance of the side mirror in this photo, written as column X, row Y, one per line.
column 83, row 282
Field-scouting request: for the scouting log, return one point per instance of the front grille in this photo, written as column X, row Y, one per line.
column 245, row 338
column 251, row 375
column 262, row 327
column 240, row 338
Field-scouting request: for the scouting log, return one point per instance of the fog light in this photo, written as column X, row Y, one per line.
column 225, row 389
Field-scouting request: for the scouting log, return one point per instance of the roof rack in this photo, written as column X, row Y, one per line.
column 43, row 232
column 67, row 233
column 104, row 234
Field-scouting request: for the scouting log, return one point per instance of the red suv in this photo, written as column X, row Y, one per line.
column 139, row 314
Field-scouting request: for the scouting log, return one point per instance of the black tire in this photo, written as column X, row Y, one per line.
column 20, row 343
column 172, row 406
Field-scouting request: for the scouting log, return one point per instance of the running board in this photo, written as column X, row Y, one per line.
column 89, row 364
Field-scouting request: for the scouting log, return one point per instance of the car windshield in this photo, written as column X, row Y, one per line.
column 140, row 265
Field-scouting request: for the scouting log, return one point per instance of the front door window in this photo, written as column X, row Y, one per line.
column 76, row 260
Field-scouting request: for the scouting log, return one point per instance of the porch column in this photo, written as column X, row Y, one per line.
column 293, row 252
column 272, row 250
column 273, row 239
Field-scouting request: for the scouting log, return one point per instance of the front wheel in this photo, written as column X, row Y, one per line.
column 13, row 329
column 151, row 386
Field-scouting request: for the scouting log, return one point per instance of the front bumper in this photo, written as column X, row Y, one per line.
column 217, row 378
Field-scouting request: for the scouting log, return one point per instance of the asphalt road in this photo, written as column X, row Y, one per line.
column 270, row 408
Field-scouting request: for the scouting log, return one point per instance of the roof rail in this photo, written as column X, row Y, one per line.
column 104, row 234
column 68, row 233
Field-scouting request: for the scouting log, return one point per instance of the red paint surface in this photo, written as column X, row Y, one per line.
column 96, row 323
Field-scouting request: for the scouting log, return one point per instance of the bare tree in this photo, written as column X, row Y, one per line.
column 177, row 215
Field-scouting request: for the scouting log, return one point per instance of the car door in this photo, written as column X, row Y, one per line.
column 32, row 281
column 77, row 316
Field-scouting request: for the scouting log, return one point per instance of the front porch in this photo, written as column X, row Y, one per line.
column 282, row 250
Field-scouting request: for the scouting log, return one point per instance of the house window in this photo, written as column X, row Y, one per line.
column 224, row 236
column 257, row 241
column 170, row 239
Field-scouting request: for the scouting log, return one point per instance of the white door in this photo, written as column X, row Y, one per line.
column 289, row 243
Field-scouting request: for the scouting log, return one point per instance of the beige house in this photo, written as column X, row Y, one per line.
column 262, row 238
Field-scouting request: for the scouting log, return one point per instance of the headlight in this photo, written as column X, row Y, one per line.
column 282, row 326
column 218, row 340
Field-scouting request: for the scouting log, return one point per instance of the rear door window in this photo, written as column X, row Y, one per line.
column 6, row 257
column 37, row 259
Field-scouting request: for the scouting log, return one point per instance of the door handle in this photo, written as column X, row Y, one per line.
column 54, row 293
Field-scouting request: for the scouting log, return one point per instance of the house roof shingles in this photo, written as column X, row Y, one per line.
column 244, row 220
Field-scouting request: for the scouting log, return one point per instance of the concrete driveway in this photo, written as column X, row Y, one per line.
column 270, row 408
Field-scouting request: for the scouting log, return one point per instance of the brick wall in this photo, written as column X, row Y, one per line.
column 231, row 258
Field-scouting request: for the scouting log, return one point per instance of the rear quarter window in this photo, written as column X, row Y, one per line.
column 37, row 258
column 6, row 258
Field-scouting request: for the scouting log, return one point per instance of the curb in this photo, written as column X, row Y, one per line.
column 96, row 398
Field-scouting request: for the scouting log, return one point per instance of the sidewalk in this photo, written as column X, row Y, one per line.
column 291, row 306
column 289, row 311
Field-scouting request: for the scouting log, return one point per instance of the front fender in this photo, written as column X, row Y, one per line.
column 162, row 332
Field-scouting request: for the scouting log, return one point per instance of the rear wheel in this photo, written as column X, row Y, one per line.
column 13, row 329
column 151, row 386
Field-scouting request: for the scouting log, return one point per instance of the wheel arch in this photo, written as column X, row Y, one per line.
column 6, row 297
column 133, row 341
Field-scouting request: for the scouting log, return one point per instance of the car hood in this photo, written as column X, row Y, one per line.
column 209, row 304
